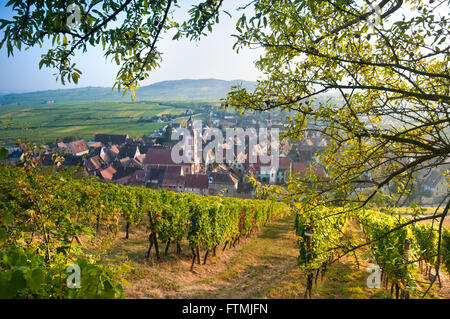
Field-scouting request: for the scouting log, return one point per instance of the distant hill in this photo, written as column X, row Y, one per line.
column 203, row 89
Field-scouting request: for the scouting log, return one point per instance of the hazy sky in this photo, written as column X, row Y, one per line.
column 212, row 57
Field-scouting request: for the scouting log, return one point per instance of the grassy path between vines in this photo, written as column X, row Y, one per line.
column 262, row 266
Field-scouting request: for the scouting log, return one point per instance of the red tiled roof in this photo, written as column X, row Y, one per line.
column 78, row 146
column 159, row 156
column 135, row 179
column 257, row 166
column 171, row 169
column 108, row 173
column 95, row 144
column 196, row 181
column 96, row 161
column 62, row 145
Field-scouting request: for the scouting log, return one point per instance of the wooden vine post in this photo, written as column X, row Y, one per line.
column 195, row 250
column 127, row 229
column 309, row 281
column 97, row 226
column 166, row 251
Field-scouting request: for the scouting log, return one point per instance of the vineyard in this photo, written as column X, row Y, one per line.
column 50, row 220
column 397, row 246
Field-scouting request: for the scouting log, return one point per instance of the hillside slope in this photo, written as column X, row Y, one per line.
column 187, row 89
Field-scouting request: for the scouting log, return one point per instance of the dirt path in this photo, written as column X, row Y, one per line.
column 258, row 267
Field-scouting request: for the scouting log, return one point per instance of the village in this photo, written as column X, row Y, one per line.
column 147, row 161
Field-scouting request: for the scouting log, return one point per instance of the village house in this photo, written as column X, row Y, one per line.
column 196, row 184
column 154, row 177
column 114, row 151
column 137, row 178
column 172, row 182
column 222, row 184
column 94, row 164
column 267, row 174
column 284, row 169
column 108, row 173
column 303, row 168
column 433, row 185
column 78, row 148
column 157, row 157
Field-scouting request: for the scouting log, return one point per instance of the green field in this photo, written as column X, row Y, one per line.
column 44, row 123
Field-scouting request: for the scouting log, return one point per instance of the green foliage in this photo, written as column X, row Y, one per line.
column 446, row 249
column 426, row 236
column 26, row 274
column 325, row 227
column 3, row 152
column 388, row 245
column 397, row 249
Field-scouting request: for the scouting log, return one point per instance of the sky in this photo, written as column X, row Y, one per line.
column 212, row 57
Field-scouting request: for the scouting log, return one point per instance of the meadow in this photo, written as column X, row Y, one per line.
column 44, row 123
